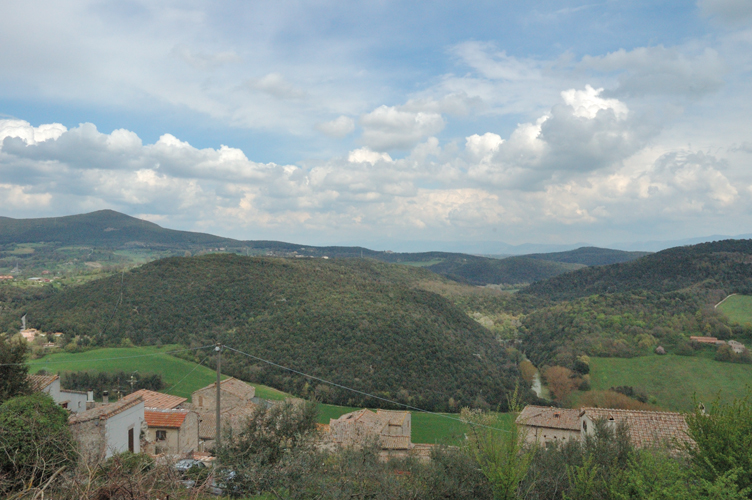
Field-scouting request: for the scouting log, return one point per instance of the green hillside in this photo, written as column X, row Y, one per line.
column 589, row 256
column 722, row 265
column 512, row 270
column 738, row 309
column 673, row 380
column 357, row 322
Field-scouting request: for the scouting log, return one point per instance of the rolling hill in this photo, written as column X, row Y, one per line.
column 357, row 322
column 722, row 265
column 589, row 256
column 109, row 239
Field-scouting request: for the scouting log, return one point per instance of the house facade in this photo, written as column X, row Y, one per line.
column 171, row 432
column 646, row 428
column 75, row 401
column 543, row 424
column 108, row 429
column 233, row 393
column 391, row 429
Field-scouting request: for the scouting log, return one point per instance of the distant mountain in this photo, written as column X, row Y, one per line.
column 107, row 229
column 357, row 322
column 725, row 265
column 104, row 228
column 589, row 256
column 658, row 245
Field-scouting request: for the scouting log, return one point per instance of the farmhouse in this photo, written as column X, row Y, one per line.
column 108, row 429
column 646, row 428
column 543, row 424
column 75, row 401
column 171, row 431
column 233, row 393
column 391, row 429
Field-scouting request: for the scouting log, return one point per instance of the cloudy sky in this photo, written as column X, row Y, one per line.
column 392, row 124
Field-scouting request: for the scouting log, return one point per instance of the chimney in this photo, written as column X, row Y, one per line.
column 105, row 397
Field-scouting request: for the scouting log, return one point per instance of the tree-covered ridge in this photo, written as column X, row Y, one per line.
column 104, row 228
column 589, row 256
column 721, row 265
column 357, row 322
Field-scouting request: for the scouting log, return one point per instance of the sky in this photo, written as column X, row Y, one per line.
column 393, row 125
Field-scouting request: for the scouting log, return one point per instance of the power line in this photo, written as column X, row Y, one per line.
column 120, row 357
column 200, row 363
column 313, row 377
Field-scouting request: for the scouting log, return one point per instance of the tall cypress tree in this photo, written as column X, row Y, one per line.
column 13, row 369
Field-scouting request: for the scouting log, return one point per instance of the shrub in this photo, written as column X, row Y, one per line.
column 35, row 442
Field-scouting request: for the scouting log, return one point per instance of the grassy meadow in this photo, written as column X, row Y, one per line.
column 182, row 377
column 738, row 308
column 673, row 380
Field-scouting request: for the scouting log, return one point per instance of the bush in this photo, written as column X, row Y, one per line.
column 34, row 441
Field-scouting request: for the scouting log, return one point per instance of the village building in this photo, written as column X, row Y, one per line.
column 646, row 428
column 30, row 334
column 390, row 429
column 543, row 424
column 108, row 429
column 738, row 347
column 75, row 401
column 233, row 393
column 153, row 399
column 171, row 432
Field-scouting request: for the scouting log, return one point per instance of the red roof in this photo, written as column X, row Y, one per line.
column 172, row 419
column 154, row 399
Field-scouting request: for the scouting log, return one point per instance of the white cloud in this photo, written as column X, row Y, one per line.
column 495, row 64
column 205, row 61
column 32, row 135
column 365, row 155
column 337, row 128
column 730, row 12
column 275, row 85
column 483, row 147
column 586, row 103
column 387, row 128
column 662, row 71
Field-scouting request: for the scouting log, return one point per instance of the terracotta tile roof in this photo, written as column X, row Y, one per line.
column 392, row 417
column 645, row 427
column 549, row 417
column 154, row 399
column 233, row 386
column 394, row 442
column 105, row 411
column 41, row 382
column 171, row 419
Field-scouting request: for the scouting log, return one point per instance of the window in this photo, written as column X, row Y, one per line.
column 161, row 435
column 201, row 401
column 584, row 426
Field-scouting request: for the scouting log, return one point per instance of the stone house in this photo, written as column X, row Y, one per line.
column 231, row 418
column 646, row 428
column 233, row 393
column 108, row 429
column 737, row 346
column 391, row 429
column 74, row 401
column 543, row 424
column 171, row 432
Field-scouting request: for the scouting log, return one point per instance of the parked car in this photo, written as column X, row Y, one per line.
column 189, row 465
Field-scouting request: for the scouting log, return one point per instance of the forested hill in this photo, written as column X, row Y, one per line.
column 104, row 228
column 589, row 256
column 721, row 265
column 357, row 322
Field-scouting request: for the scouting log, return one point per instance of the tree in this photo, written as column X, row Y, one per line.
column 13, row 370
column 35, row 442
column 502, row 454
column 722, row 442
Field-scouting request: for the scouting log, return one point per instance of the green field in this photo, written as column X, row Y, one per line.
column 182, row 377
column 673, row 380
column 738, row 308
column 421, row 263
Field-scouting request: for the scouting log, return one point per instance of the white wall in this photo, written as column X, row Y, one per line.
column 116, row 430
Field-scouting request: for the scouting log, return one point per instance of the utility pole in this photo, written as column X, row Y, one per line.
column 218, row 349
